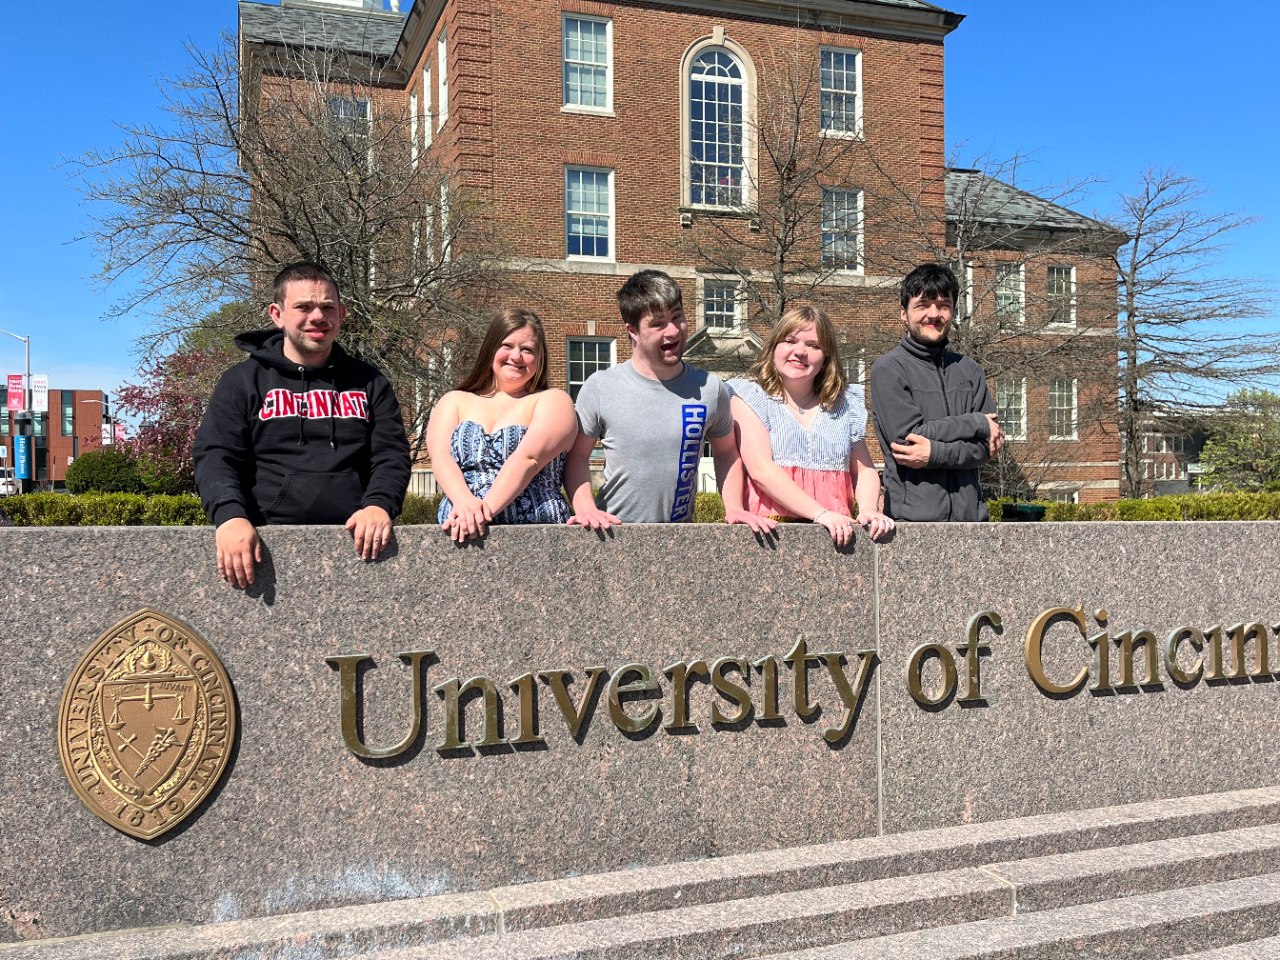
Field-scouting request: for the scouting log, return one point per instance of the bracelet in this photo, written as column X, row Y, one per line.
column 818, row 514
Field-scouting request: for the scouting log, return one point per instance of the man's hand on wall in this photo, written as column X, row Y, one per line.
column 913, row 453
column 372, row 529
column 238, row 550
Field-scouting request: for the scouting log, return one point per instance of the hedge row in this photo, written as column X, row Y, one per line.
column 102, row 510
column 135, row 510
column 1191, row 506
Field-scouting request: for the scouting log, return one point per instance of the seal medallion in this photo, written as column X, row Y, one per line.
column 147, row 723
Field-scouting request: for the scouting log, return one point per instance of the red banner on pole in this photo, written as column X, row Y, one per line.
column 16, row 392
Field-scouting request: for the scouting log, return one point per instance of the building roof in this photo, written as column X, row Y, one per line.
column 302, row 24
column 975, row 197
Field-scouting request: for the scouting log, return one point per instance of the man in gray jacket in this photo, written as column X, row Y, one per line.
column 933, row 412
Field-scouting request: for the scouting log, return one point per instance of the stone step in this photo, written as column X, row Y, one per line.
column 1215, row 918
column 863, row 888
column 1268, row 949
column 879, row 908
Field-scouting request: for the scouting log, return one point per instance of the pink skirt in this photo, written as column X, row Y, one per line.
column 831, row 488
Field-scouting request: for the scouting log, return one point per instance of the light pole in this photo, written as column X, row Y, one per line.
column 23, row 421
column 108, row 435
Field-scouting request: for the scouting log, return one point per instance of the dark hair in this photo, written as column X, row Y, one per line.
column 829, row 384
column 648, row 293
column 303, row 270
column 931, row 281
column 480, row 379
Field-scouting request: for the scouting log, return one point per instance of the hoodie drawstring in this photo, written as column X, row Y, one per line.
column 306, row 400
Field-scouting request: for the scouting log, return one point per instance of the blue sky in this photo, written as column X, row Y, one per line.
column 1091, row 87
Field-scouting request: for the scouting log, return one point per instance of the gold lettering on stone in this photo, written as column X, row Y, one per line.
column 1033, row 652
column 731, row 691
column 146, row 724
column 799, row 659
column 1128, row 641
column 973, row 649
column 573, row 716
column 617, row 690
column 680, row 674
column 768, row 667
column 915, row 667
column 527, row 695
column 1240, row 635
column 1171, row 665
column 1213, row 636
column 850, row 694
column 348, row 681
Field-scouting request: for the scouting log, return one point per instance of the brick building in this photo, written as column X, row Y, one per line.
column 72, row 426
column 604, row 137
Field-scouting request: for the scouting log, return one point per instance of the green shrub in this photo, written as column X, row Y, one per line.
column 102, row 510
column 1157, row 508
column 419, row 509
column 708, row 508
column 104, row 471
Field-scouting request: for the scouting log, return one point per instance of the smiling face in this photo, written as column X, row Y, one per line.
column 659, row 340
column 928, row 319
column 516, row 362
column 310, row 317
column 799, row 359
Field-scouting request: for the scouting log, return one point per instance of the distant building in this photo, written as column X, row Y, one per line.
column 73, row 425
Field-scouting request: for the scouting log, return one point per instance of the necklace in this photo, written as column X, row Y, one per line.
column 800, row 410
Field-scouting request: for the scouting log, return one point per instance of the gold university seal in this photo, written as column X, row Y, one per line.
column 146, row 724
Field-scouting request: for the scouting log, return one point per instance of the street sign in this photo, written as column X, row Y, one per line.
column 106, row 435
column 16, row 393
column 22, row 450
column 119, row 432
column 40, row 394
column 4, row 453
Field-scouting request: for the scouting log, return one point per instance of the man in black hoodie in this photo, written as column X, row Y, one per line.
column 300, row 432
column 933, row 412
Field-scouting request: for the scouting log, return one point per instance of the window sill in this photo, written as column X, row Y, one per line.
column 855, row 135
column 587, row 111
column 571, row 258
column 737, row 213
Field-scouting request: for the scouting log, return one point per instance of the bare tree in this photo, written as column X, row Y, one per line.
column 303, row 154
column 768, row 233
column 1183, row 342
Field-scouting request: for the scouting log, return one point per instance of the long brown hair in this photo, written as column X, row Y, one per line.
column 830, row 382
column 480, row 380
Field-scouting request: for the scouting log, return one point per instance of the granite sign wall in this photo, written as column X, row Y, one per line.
column 551, row 701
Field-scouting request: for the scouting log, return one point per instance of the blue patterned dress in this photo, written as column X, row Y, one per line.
column 481, row 455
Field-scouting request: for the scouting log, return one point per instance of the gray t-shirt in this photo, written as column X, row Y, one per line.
column 652, row 432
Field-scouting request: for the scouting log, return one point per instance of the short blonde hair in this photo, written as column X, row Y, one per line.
column 830, row 382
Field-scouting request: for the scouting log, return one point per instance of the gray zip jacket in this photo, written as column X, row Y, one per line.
column 944, row 397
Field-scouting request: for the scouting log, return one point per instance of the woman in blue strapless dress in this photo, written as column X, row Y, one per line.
column 498, row 442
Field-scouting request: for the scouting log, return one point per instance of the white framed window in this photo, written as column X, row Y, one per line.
column 413, row 128
column 1062, row 409
column 717, row 130
column 1011, row 407
column 1063, row 496
column 841, row 228
column 721, row 304
column 588, row 213
column 352, row 119
column 840, row 86
column 426, row 106
column 966, row 295
column 587, row 53
column 588, row 355
column 442, row 68
column 1060, row 287
column 855, row 368
column 1009, row 293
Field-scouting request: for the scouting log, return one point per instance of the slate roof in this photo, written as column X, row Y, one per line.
column 973, row 196
column 374, row 34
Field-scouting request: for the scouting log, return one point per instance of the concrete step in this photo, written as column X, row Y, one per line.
column 1237, row 914
column 782, row 899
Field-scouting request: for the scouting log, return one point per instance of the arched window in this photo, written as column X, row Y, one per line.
column 717, row 129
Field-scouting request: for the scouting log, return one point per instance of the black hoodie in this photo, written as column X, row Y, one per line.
column 285, row 443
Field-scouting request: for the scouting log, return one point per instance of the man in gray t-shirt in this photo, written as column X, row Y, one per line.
column 652, row 415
